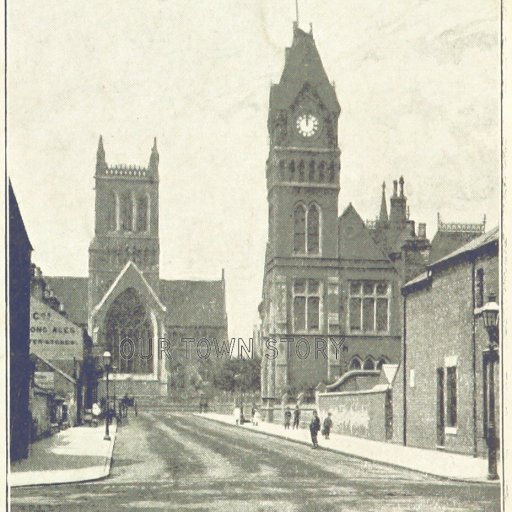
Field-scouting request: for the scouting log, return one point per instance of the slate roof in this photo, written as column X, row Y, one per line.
column 72, row 293
column 303, row 65
column 485, row 239
column 490, row 237
column 445, row 242
column 194, row 303
column 356, row 242
column 188, row 303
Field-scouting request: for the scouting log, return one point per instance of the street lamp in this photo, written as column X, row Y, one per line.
column 490, row 312
column 106, row 363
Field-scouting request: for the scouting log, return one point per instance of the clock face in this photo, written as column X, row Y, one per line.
column 307, row 125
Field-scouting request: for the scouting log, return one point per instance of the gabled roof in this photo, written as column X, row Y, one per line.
column 303, row 65
column 356, row 242
column 129, row 274
column 490, row 237
column 194, row 303
column 72, row 293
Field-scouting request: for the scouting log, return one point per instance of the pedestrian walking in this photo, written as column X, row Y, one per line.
column 314, row 427
column 256, row 418
column 236, row 414
column 327, row 426
column 296, row 417
column 287, row 418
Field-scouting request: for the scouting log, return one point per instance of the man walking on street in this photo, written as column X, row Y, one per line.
column 296, row 417
column 314, row 427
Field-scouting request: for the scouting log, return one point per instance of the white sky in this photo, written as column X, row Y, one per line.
column 417, row 80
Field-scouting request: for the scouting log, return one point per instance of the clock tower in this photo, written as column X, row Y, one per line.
column 301, row 280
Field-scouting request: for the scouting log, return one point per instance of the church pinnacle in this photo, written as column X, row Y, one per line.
column 154, row 158
column 100, row 156
column 383, row 216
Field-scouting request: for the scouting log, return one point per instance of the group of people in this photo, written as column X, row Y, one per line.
column 238, row 413
column 314, row 426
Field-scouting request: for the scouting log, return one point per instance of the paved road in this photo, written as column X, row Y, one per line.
column 182, row 462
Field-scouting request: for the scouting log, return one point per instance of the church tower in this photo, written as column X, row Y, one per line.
column 126, row 223
column 300, row 289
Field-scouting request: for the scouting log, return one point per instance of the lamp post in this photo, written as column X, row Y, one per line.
column 490, row 312
column 106, row 363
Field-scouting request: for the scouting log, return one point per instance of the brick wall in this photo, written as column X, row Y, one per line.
column 441, row 331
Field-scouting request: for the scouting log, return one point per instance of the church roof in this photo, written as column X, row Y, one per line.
column 303, row 65
column 188, row 303
column 356, row 242
column 72, row 293
column 194, row 303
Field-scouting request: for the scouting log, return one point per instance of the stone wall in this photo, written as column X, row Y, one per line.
column 359, row 413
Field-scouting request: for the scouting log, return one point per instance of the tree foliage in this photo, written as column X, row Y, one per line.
column 238, row 375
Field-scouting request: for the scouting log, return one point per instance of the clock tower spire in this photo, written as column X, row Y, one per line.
column 301, row 284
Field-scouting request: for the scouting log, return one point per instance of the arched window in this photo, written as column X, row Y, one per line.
column 127, row 319
column 313, row 229
column 126, row 211
column 381, row 362
column 299, row 229
column 355, row 364
column 142, row 212
column 112, row 212
column 369, row 364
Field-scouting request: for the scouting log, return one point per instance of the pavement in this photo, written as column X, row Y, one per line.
column 436, row 463
column 172, row 461
column 76, row 454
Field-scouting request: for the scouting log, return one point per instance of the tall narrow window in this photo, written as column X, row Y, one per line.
column 126, row 212
column 451, row 396
column 479, row 292
column 142, row 213
column 112, row 212
column 313, row 230
column 299, row 226
column 306, row 305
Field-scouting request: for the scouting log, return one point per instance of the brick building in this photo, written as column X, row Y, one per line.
column 124, row 296
column 445, row 356
column 20, row 368
column 325, row 276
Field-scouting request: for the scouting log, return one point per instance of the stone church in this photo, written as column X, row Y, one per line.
column 124, row 296
column 328, row 276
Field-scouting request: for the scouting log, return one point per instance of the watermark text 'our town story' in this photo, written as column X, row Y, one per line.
column 204, row 348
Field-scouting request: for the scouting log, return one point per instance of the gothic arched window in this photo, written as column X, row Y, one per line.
column 128, row 320
column 369, row 364
column 355, row 364
column 313, row 229
column 126, row 212
column 112, row 211
column 381, row 362
column 142, row 213
column 299, row 229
